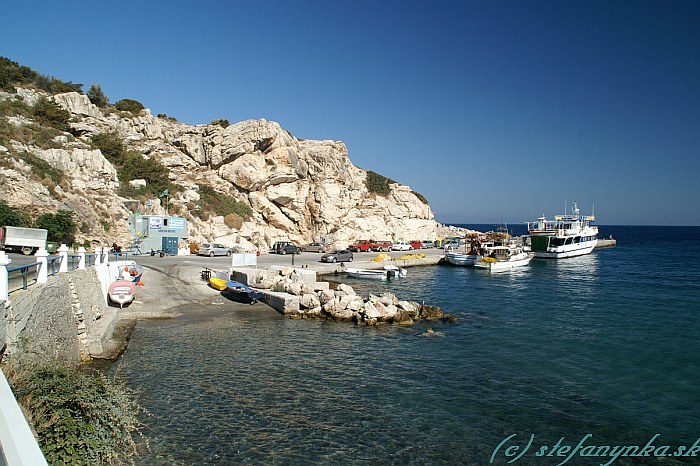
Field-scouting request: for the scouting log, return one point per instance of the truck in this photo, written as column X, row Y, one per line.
column 24, row 240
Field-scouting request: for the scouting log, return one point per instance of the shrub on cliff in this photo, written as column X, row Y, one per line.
column 224, row 123
column 222, row 204
column 111, row 146
column 129, row 105
column 12, row 75
column 48, row 113
column 378, row 184
column 78, row 417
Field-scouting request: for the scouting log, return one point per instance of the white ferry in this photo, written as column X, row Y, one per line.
column 565, row 236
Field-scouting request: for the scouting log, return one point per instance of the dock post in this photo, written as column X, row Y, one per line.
column 4, row 287
column 42, row 273
column 81, row 258
column 63, row 252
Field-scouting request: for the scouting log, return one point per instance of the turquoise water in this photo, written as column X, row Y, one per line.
column 606, row 344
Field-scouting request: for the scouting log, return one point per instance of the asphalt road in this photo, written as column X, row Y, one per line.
column 311, row 260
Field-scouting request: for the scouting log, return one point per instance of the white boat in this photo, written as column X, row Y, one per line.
column 388, row 271
column 565, row 236
column 502, row 258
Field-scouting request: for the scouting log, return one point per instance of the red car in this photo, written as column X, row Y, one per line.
column 415, row 244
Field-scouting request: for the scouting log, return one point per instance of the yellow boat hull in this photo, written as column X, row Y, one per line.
column 217, row 283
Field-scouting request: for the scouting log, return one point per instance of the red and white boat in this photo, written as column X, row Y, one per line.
column 122, row 292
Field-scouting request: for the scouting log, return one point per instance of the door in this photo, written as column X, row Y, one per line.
column 169, row 245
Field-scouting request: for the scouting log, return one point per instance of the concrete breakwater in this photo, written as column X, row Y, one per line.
column 296, row 293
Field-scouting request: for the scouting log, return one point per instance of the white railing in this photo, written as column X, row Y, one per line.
column 19, row 447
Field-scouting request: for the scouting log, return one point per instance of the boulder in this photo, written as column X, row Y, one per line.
column 310, row 301
column 402, row 317
column 346, row 289
column 430, row 312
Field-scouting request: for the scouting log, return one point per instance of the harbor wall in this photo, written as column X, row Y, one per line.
column 66, row 319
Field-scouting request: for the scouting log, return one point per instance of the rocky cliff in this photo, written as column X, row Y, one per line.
column 302, row 190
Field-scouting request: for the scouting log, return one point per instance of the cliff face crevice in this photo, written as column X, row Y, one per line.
column 302, row 190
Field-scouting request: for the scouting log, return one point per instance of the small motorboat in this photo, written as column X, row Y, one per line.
column 389, row 271
column 135, row 272
column 217, row 283
column 122, row 292
column 241, row 290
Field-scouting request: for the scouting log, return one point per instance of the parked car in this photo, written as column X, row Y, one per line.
column 285, row 247
column 452, row 244
column 401, row 246
column 362, row 245
column 314, row 247
column 427, row 244
column 415, row 244
column 337, row 256
column 382, row 246
column 214, row 249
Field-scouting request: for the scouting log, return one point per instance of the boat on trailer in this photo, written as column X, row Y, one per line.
column 388, row 271
column 241, row 290
column 566, row 236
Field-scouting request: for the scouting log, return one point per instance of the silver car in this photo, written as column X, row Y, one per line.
column 214, row 249
column 337, row 256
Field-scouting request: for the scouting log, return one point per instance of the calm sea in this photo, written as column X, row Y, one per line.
column 606, row 344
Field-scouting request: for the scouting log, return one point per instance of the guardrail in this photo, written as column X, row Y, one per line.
column 47, row 265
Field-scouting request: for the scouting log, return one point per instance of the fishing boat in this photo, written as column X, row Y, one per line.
column 122, row 292
column 462, row 259
column 388, row 271
column 566, row 236
column 241, row 290
column 502, row 258
column 217, row 283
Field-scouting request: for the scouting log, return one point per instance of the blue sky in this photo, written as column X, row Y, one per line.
column 481, row 106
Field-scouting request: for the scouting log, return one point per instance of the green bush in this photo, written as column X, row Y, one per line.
column 61, row 226
column 12, row 217
column 222, row 204
column 136, row 167
column 79, row 417
column 129, row 105
column 111, row 146
column 48, row 113
column 14, row 75
column 221, row 122
column 378, row 184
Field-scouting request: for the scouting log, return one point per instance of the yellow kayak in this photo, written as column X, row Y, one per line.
column 217, row 283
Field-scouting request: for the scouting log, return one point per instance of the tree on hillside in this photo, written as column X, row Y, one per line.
column 61, row 226
column 96, row 96
column 11, row 217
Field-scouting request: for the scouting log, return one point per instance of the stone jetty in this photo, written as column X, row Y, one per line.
column 296, row 293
